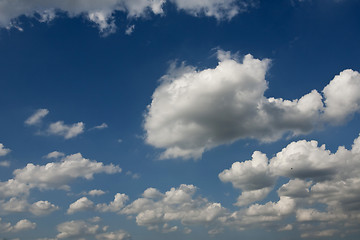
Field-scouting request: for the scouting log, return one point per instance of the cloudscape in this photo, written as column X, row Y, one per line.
column 179, row 119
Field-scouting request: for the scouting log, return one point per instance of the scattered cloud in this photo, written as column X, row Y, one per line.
column 196, row 110
column 42, row 208
column 133, row 175
column 67, row 131
column 99, row 127
column 96, row 192
column 37, row 117
column 54, row 154
column 54, row 175
column 81, row 229
column 21, row 225
column 3, row 151
column 130, row 29
column 102, row 13
column 5, row 163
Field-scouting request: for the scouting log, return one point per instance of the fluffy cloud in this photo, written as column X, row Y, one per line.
column 53, row 175
column 96, row 192
column 156, row 210
column 195, row 110
column 84, row 204
column 101, row 13
column 21, row 225
column 41, row 208
column 316, row 175
column 54, row 154
column 37, row 117
column 3, row 150
column 82, row 229
column 67, row 131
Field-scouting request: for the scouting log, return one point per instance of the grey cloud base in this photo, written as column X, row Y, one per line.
column 195, row 110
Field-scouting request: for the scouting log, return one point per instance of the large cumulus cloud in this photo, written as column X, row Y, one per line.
column 195, row 110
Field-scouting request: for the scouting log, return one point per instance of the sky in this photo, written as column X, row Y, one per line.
column 179, row 119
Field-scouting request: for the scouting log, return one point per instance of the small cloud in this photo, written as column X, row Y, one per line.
column 54, row 154
column 37, row 117
column 119, row 140
column 5, row 164
column 130, row 29
column 3, row 150
column 133, row 175
column 67, row 131
column 96, row 192
column 102, row 126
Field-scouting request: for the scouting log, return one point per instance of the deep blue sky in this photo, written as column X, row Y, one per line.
column 78, row 74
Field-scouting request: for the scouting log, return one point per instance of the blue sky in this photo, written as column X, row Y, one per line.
column 216, row 119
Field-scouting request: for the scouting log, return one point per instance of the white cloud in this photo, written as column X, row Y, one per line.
column 99, row 127
column 41, row 208
column 54, row 154
column 67, row 131
column 156, row 210
column 195, row 110
column 96, row 192
column 82, row 204
column 317, row 177
column 14, row 205
column 53, row 175
column 130, row 29
column 220, row 9
column 24, row 225
column 5, row 164
column 3, row 150
column 37, row 117
column 80, row 229
column 21, row 225
column 102, row 12
column 118, row 235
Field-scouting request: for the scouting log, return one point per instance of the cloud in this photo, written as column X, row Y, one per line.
column 67, row 131
column 41, row 208
column 54, row 154
column 3, row 151
column 99, row 127
column 195, row 110
column 54, row 175
column 157, row 211
column 316, row 177
column 82, row 229
column 5, row 163
column 21, row 225
column 130, row 29
column 102, row 12
column 96, row 192
column 84, row 204
column 37, row 117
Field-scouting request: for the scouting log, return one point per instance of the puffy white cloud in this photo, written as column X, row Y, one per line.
column 78, row 228
column 118, row 235
column 96, row 192
column 156, row 210
column 102, row 12
column 67, row 131
column 195, row 110
column 3, row 150
column 53, row 175
column 24, row 224
column 41, row 208
column 14, row 205
column 21, row 225
column 317, row 177
column 37, row 117
column 59, row 174
column 54, row 154
column 83, row 229
column 82, row 204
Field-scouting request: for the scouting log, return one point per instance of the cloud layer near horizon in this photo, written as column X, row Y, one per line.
column 101, row 12
column 195, row 110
